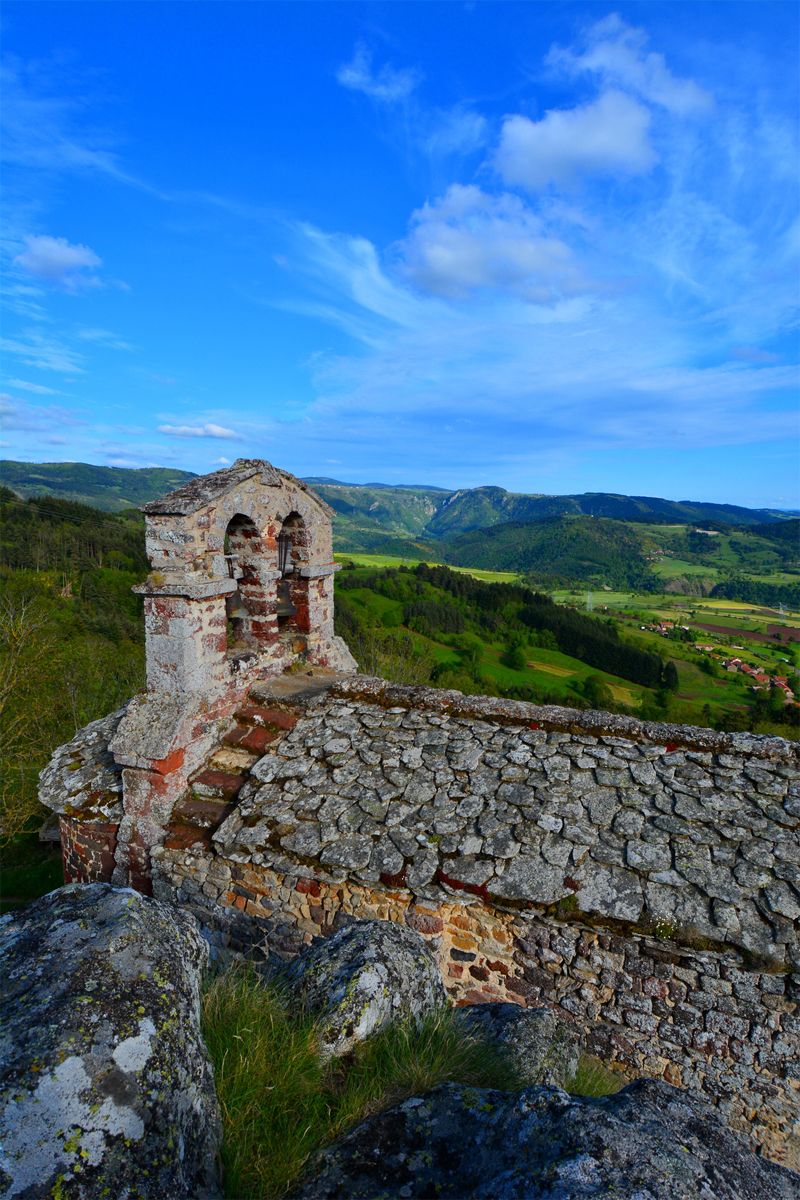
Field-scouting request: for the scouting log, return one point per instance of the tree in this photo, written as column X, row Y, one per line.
column 514, row 656
column 27, row 654
column 595, row 689
column 671, row 680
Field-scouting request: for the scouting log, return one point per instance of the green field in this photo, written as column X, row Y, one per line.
column 675, row 568
column 391, row 560
column 556, row 672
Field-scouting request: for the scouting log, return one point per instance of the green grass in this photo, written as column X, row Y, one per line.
column 391, row 560
column 555, row 672
column 674, row 568
column 594, row 1078
column 279, row 1103
column 374, row 560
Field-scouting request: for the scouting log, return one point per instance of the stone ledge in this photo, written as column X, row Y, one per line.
column 373, row 690
column 191, row 589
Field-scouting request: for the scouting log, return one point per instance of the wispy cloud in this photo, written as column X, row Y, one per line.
column 46, row 131
column 588, row 371
column 207, row 430
column 616, row 53
column 19, row 415
column 38, row 389
column 36, row 349
column 387, row 84
column 104, row 337
column 454, row 131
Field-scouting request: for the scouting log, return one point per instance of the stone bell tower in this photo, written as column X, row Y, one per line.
column 241, row 588
column 241, row 581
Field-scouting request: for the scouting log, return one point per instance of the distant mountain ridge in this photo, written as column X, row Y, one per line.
column 407, row 510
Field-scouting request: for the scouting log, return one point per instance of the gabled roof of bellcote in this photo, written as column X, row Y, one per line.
column 199, row 492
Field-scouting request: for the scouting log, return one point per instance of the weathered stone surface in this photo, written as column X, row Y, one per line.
column 543, row 1048
column 363, row 977
column 616, row 907
column 106, row 1085
column 647, row 1142
column 82, row 778
column 481, row 803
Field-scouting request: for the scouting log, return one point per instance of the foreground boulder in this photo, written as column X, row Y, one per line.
column 105, row 1086
column 363, row 977
column 648, row 1142
column 542, row 1048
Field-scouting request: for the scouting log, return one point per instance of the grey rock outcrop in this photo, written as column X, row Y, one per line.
column 648, row 1142
column 363, row 977
column 82, row 779
column 542, row 1048
column 105, row 1085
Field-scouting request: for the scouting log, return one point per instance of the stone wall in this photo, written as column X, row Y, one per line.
column 645, row 1006
column 641, row 878
column 87, row 849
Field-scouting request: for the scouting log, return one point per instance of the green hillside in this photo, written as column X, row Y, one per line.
column 630, row 554
column 478, row 508
column 113, row 489
column 405, row 510
column 597, row 538
column 584, row 549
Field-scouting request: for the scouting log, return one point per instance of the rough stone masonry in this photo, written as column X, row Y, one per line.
column 641, row 879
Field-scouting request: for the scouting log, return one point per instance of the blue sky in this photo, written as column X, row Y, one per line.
column 548, row 246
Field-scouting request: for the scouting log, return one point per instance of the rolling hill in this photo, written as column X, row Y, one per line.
column 112, row 489
column 593, row 550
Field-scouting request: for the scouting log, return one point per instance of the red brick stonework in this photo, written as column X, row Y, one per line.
column 87, row 850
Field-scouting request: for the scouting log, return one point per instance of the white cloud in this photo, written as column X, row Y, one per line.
column 222, row 461
column 59, row 262
column 609, row 136
column 22, row 385
column 387, row 84
column 616, row 53
column 469, row 240
column 206, row 430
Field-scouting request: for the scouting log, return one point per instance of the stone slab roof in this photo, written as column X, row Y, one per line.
column 199, row 492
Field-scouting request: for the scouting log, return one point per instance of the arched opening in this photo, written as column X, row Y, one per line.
column 293, row 615
column 250, row 613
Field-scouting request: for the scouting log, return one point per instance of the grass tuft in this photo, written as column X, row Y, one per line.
column 279, row 1103
column 594, row 1078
